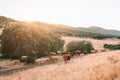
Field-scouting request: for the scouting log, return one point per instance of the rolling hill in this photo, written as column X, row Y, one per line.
column 62, row 29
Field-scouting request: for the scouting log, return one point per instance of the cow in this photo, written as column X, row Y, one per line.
column 53, row 56
column 94, row 51
column 78, row 52
column 67, row 56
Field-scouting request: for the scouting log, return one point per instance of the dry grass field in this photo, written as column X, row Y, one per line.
column 102, row 66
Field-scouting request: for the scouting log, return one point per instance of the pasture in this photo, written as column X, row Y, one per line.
column 98, row 66
column 104, row 66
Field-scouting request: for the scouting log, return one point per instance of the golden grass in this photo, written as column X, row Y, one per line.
column 103, row 66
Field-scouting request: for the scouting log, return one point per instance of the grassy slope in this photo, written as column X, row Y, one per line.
column 57, row 28
column 90, row 67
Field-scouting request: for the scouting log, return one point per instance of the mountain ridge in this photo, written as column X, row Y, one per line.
column 96, row 29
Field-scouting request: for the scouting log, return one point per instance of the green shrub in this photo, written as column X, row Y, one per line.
column 112, row 46
column 25, row 40
column 83, row 46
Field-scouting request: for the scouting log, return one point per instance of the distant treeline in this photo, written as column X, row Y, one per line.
column 86, row 34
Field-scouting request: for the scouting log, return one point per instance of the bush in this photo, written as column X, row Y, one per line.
column 24, row 40
column 112, row 46
column 83, row 46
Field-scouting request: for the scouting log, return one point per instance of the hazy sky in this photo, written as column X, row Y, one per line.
column 84, row 13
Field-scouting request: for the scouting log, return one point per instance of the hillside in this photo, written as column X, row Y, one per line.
column 92, row 32
column 4, row 21
column 101, row 66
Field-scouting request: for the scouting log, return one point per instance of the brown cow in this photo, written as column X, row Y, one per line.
column 63, row 53
column 53, row 56
column 67, row 56
column 94, row 51
column 78, row 52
